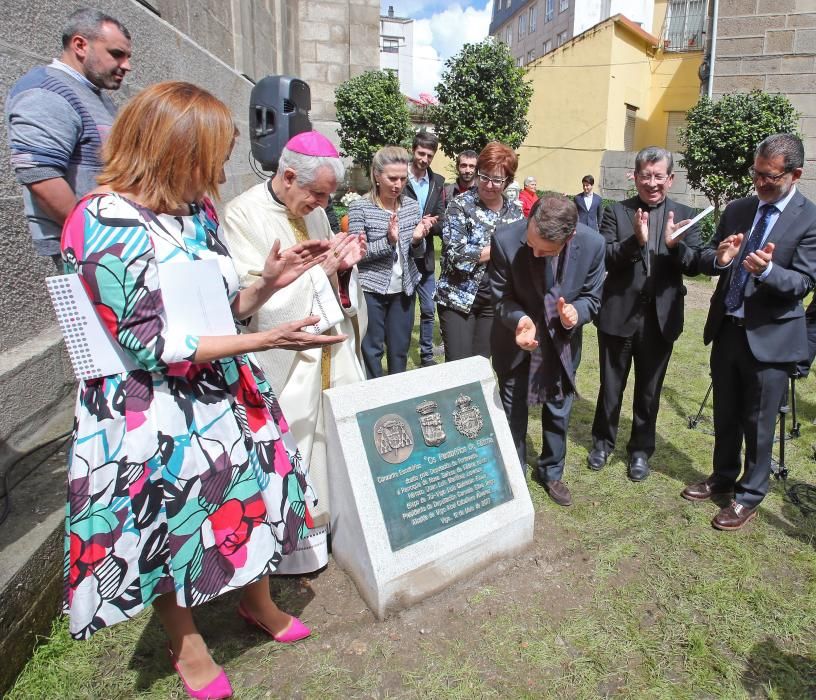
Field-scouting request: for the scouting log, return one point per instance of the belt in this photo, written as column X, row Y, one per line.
column 736, row 320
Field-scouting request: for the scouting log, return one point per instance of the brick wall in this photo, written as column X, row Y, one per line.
column 771, row 45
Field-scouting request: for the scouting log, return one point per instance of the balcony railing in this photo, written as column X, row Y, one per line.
column 684, row 28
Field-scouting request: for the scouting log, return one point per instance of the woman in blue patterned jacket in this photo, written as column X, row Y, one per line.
column 395, row 232
column 463, row 289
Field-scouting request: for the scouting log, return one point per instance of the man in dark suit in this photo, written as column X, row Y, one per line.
column 546, row 279
column 764, row 252
column 427, row 188
column 589, row 205
column 642, row 308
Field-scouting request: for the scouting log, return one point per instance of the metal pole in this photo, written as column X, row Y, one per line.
column 713, row 56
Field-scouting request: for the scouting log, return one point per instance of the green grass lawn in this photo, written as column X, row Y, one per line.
column 628, row 594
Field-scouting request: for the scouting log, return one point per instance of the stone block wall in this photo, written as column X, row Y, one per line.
column 222, row 45
column 213, row 43
column 770, row 45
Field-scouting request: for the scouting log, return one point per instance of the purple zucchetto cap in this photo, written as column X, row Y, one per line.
column 312, row 143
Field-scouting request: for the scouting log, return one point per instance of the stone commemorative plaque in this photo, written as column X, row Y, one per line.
column 425, row 485
column 434, row 461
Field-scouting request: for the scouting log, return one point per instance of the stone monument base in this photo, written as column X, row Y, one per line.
column 425, row 484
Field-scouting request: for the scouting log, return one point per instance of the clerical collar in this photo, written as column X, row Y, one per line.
column 650, row 207
column 272, row 193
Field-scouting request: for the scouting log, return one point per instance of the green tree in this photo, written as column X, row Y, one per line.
column 483, row 97
column 372, row 113
column 720, row 138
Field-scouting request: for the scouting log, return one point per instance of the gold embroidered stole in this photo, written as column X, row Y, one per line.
column 298, row 226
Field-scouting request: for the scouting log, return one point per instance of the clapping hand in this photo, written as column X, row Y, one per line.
column 393, row 229
column 284, row 267
column 345, row 251
column 356, row 251
column 568, row 314
column 728, row 249
column 671, row 227
column 526, row 334
column 641, row 223
column 757, row 262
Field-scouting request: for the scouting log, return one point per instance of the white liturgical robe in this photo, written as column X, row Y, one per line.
column 253, row 221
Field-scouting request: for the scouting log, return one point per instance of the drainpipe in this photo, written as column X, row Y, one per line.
column 713, row 55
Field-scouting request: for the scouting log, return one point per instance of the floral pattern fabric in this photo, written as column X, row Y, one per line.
column 469, row 227
column 182, row 477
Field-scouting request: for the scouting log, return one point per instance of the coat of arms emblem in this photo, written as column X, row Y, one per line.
column 467, row 418
column 430, row 420
column 393, row 438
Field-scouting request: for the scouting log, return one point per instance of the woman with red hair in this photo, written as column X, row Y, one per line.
column 463, row 289
column 184, row 482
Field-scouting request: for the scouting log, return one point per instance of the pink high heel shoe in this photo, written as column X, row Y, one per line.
column 216, row 689
column 295, row 631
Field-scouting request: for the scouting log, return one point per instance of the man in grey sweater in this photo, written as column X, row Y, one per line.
column 58, row 117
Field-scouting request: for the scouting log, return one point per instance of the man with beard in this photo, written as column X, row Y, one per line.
column 466, row 178
column 764, row 252
column 58, row 117
column 427, row 188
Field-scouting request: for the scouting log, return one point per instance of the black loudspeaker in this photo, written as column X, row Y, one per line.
column 278, row 110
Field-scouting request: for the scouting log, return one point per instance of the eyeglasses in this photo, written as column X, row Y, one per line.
column 497, row 181
column 757, row 175
column 648, row 177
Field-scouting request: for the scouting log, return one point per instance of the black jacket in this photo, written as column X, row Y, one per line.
column 626, row 290
column 516, row 293
column 774, row 316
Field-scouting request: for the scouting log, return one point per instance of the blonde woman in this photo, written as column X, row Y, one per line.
column 395, row 233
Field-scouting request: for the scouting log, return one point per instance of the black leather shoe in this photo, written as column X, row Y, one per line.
column 597, row 459
column 638, row 468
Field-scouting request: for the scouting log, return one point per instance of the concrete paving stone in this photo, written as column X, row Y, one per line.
column 801, row 19
column 326, row 11
column 760, row 66
column 749, row 26
column 737, row 8
column 768, row 7
column 781, row 41
column 805, row 41
column 739, row 47
column 741, row 83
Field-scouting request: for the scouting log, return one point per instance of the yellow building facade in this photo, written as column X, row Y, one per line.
column 612, row 88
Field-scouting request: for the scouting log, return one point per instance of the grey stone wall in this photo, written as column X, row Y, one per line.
column 33, row 373
column 614, row 184
column 208, row 42
column 215, row 44
column 771, row 45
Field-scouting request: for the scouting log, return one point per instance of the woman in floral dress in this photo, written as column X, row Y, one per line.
column 183, row 481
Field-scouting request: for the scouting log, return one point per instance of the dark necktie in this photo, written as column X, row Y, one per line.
column 736, row 291
column 551, row 374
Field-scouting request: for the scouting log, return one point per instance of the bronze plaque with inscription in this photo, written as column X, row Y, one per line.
column 434, row 461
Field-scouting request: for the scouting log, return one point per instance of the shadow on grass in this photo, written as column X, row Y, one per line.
column 771, row 672
column 227, row 635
